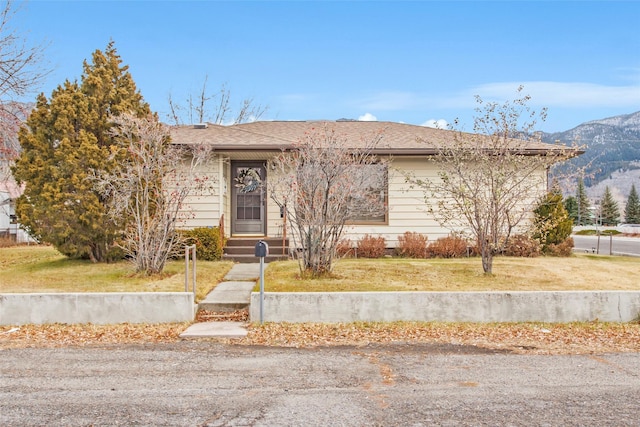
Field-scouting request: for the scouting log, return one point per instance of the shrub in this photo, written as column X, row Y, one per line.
column 522, row 245
column 412, row 245
column 345, row 249
column 372, row 247
column 209, row 245
column 563, row 249
column 551, row 223
column 448, row 247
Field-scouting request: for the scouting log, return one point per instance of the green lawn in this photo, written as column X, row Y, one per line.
column 43, row 269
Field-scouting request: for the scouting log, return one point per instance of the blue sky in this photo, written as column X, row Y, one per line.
column 396, row 61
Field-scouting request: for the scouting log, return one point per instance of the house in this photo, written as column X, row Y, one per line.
column 240, row 154
column 9, row 227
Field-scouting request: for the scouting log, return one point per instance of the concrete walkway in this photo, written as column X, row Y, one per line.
column 232, row 294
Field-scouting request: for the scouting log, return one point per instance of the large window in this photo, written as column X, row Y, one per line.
column 370, row 205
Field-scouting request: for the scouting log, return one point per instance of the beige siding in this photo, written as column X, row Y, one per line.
column 274, row 222
column 202, row 209
column 225, row 186
column 408, row 209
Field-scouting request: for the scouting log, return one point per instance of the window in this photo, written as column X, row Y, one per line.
column 370, row 205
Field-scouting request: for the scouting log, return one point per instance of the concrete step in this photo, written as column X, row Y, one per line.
column 242, row 250
column 251, row 259
column 250, row 250
column 216, row 329
column 228, row 296
column 251, row 241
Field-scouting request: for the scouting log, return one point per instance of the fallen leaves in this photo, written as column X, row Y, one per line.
column 572, row 338
column 525, row 338
column 59, row 335
column 222, row 316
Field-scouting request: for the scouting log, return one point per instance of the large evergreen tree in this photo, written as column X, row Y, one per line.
column 632, row 209
column 67, row 137
column 609, row 212
column 584, row 213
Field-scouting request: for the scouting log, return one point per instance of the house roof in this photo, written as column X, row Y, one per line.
column 397, row 138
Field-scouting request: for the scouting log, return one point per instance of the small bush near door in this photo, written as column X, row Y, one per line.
column 372, row 247
column 412, row 245
column 209, row 245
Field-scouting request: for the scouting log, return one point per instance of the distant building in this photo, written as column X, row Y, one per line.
column 9, row 227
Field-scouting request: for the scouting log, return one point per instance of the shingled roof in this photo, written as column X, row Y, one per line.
column 397, row 138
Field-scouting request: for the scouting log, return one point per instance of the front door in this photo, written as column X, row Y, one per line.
column 248, row 190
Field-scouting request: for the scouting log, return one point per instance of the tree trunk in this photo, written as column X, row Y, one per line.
column 487, row 258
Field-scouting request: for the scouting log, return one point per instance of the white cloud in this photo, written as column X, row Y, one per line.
column 436, row 124
column 563, row 94
column 368, row 117
column 543, row 93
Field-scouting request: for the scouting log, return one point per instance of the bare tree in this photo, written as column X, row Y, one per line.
column 321, row 184
column 150, row 187
column 490, row 180
column 21, row 72
column 199, row 109
column 12, row 117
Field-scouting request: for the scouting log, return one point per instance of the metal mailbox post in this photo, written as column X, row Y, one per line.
column 261, row 251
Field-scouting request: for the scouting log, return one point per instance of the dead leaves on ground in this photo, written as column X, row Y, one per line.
column 573, row 338
column 59, row 335
column 222, row 316
column 526, row 338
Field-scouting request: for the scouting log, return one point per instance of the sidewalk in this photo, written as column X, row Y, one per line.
column 232, row 294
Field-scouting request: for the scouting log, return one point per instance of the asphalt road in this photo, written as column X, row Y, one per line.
column 208, row 384
column 619, row 245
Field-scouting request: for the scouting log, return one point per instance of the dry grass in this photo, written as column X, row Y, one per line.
column 42, row 269
column 579, row 272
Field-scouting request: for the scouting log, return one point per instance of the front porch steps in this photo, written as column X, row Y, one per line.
column 242, row 249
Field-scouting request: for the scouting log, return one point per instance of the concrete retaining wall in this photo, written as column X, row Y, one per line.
column 333, row 307
column 97, row 308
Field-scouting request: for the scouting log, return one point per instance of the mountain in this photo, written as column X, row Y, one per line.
column 612, row 153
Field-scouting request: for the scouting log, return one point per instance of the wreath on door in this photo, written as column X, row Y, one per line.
column 248, row 180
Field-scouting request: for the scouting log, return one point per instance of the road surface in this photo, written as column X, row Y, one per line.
column 616, row 245
column 209, row 384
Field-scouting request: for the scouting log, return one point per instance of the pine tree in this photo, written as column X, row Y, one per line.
column 584, row 214
column 67, row 137
column 609, row 212
column 551, row 222
column 632, row 209
column 571, row 205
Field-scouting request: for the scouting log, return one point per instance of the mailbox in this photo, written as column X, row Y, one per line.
column 262, row 249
